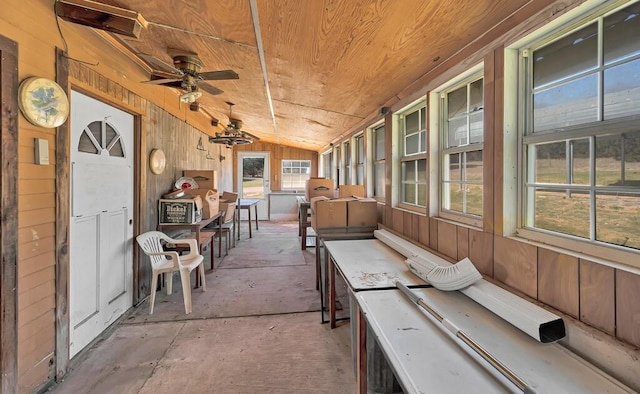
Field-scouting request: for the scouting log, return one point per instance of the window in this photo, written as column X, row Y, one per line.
column 327, row 158
column 347, row 162
column 377, row 139
column 581, row 137
column 295, row 173
column 413, row 163
column 360, row 160
column 462, row 136
column 100, row 136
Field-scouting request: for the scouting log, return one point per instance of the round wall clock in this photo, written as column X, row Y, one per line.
column 157, row 161
column 43, row 102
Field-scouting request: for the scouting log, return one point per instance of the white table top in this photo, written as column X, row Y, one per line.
column 425, row 358
column 369, row 264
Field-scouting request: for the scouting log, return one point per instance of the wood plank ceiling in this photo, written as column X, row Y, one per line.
column 330, row 64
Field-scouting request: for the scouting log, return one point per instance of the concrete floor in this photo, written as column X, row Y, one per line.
column 255, row 330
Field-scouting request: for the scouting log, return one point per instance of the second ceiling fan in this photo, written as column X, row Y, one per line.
column 185, row 74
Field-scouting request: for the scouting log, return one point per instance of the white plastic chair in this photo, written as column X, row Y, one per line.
column 169, row 261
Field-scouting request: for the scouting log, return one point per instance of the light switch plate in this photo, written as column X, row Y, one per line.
column 42, row 151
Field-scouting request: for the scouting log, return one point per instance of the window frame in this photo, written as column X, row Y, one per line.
column 327, row 163
column 374, row 162
column 516, row 55
column 282, row 174
column 404, row 159
column 470, row 76
column 346, row 151
column 360, row 158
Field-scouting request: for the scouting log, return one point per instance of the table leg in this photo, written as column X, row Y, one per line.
column 361, row 351
column 332, row 294
column 219, row 238
column 249, row 211
column 213, row 238
column 255, row 209
column 198, row 248
column 304, row 238
column 236, row 225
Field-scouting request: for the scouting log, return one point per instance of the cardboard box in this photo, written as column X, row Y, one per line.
column 206, row 179
column 362, row 215
column 329, row 215
column 351, row 191
column 210, row 200
column 313, row 203
column 315, row 187
column 180, row 210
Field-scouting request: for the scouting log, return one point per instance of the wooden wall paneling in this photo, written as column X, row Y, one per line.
column 433, row 233
column 407, row 224
column 490, row 159
column 423, row 222
column 63, row 213
column 481, row 251
column 380, row 213
column 8, row 208
column 388, row 216
column 463, row 242
column 516, row 265
column 558, row 281
column 30, row 186
column 627, row 307
column 415, row 227
column 597, row 296
column 398, row 221
column 34, row 377
column 36, row 216
column 495, row 157
column 447, row 239
column 35, row 248
column 31, row 265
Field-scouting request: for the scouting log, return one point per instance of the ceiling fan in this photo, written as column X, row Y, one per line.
column 185, row 74
column 232, row 134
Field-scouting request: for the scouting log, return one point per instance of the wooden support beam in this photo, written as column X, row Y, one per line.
column 9, row 211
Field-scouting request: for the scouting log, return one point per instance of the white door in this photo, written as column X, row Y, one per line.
column 101, row 225
column 253, row 181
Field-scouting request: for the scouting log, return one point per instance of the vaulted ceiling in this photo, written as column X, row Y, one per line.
column 327, row 65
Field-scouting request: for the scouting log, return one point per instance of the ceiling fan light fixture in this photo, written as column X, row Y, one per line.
column 232, row 135
column 190, row 97
column 230, row 140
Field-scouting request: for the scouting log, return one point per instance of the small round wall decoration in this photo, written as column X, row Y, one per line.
column 43, row 102
column 157, row 161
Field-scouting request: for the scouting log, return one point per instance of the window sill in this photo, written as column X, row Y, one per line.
column 472, row 221
column 412, row 208
column 610, row 256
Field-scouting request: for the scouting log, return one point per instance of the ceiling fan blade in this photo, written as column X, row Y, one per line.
column 218, row 75
column 210, row 89
column 158, row 64
column 164, row 81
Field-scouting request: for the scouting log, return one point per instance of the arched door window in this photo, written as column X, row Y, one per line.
column 100, row 138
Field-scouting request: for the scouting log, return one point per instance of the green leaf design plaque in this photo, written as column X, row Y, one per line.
column 43, row 102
